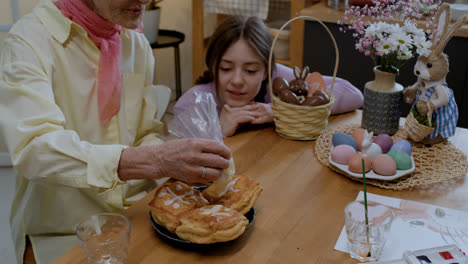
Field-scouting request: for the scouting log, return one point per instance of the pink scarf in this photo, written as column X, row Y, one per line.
column 106, row 36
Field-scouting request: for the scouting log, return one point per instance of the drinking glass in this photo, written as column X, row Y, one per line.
column 366, row 242
column 104, row 238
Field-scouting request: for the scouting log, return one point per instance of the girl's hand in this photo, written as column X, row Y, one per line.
column 231, row 117
column 262, row 114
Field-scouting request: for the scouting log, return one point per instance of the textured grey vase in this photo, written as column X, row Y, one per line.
column 382, row 104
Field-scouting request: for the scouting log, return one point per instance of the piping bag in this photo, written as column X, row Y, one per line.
column 201, row 120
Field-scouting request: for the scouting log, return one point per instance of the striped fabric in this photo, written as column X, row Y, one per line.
column 258, row 8
column 446, row 116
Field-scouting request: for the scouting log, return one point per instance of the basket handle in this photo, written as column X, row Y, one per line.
column 277, row 35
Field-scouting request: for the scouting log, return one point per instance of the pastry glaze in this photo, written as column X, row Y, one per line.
column 211, row 224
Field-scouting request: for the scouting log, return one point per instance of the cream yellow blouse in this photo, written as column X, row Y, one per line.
column 66, row 161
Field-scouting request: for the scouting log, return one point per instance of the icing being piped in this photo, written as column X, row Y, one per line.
column 229, row 187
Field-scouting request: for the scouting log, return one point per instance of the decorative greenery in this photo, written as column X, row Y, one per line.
column 422, row 119
column 387, row 31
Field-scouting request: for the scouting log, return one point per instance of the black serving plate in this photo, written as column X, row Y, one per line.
column 176, row 241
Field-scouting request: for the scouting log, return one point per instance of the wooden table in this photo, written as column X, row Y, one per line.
column 300, row 213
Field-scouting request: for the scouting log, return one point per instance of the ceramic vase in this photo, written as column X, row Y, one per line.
column 382, row 104
column 151, row 24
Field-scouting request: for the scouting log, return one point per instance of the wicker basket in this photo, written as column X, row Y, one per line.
column 415, row 130
column 301, row 122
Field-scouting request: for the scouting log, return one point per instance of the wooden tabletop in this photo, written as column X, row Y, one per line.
column 300, row 213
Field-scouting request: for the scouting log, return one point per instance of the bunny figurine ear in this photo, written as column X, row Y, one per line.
column 441, row 22
column 443, row 32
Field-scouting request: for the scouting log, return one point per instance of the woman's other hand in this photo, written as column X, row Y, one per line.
column 182, row 159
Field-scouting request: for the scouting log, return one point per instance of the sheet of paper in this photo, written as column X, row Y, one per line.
column 417, row 226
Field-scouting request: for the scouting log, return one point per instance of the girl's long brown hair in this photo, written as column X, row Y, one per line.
column 250, row 29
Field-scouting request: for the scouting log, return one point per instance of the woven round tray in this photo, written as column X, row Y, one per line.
column 434, row 164
column 300, row 122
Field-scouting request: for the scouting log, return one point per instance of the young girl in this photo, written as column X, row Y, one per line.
column 237, row 76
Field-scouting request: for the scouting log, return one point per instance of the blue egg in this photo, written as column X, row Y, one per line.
column 344, row 139
column 403, row 145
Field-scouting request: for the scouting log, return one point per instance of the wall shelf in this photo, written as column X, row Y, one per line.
column 296, row 38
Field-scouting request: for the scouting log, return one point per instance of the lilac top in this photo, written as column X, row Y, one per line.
column 347, row 97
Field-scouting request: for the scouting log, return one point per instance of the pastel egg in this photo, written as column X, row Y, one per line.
column 384, row 141
column 403, row 145
column 402, row 160
column 384, row 165
column 341, row 154
column 372, row 151
column 355, row 163
column 344, row 139
column 358, row 135
column 315, row 82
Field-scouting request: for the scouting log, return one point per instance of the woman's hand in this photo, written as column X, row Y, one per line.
column 182, row 159
column 232, row 117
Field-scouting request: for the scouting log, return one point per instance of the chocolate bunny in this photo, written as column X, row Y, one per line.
column 430, row 93
column 299, row 85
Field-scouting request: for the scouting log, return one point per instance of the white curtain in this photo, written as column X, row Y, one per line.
column 257, row 8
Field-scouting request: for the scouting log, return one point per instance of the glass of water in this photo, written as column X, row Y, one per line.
column 366, row 241
column 104, row 238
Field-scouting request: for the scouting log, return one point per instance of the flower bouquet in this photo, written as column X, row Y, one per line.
column 387, row 32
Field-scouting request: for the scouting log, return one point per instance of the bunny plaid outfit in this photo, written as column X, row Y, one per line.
column 446, row 116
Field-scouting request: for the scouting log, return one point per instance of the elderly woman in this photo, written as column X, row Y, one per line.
column 78, row 107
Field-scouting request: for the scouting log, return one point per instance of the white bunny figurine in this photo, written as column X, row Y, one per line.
column 369, row 147
column 430, row 92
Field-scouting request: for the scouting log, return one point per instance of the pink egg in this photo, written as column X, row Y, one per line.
column 355, row 163
column 358, row 135
column 341, row 154
column 384, row 141
column 384, row 165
